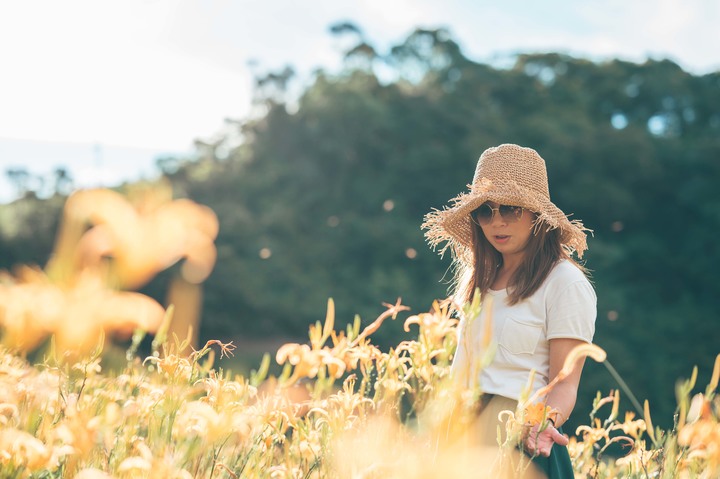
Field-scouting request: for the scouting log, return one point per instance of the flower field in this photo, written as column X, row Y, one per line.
column 340, row 408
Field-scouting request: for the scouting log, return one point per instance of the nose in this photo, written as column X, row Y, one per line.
column 497, row 218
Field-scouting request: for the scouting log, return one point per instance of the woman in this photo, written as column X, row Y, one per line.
column 512, row 244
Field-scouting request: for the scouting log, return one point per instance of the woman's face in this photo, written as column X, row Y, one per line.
column 507, row 233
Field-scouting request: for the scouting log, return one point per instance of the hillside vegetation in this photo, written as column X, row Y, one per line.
column 322, row 196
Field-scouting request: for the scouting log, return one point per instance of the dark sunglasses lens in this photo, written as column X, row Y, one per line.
column 484, row 213
column 510, row 213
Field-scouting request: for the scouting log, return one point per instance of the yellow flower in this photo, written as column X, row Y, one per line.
column 639, row 459
column 199, row 419
column 632, row 428
column 22, row 449
column 174, row 366
column 8, row 412
column 307, row 362
column 593, row 434
column 435, row 325
column 135, row 464
column 92, row 473
column 702, row 437
column 538, row 413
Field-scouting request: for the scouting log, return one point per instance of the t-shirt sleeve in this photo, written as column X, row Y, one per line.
column 572, row 312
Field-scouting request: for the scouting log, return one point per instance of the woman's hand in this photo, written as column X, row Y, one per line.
column 541, row 442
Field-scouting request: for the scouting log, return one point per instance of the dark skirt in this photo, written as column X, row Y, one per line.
column 558, row 465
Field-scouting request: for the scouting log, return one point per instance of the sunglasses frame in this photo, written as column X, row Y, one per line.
column 509, row 214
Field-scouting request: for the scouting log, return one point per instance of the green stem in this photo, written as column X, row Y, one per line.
column 624, row 387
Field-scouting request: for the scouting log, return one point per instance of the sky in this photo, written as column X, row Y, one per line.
column 104, row 87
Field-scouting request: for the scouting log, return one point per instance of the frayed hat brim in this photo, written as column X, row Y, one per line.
column 450, row 228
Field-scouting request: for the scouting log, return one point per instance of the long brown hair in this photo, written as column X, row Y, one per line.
column 542, row 253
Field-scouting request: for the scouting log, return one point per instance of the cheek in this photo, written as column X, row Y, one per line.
column 527, row 224
column 525, row 233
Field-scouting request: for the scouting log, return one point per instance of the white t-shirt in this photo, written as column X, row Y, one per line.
column 565, row 306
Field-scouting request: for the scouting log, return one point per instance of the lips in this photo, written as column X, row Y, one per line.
column 501, row 238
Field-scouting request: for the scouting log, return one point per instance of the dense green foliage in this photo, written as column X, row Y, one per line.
column 334, row 189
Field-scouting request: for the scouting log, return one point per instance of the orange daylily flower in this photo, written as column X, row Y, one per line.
column 538, row 413
column 143, row 238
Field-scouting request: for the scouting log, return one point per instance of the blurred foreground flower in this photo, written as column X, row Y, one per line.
column 390, row 450
column 701, row 435
column 108, row 242
column 143, row 235
column 77, row 313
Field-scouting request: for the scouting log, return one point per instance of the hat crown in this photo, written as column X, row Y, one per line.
column 518, row 164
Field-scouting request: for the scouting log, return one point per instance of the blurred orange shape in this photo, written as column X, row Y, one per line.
column 33, row 308
column 92, row 309
column 199, row 258
column 30, row 308
column 142, row 239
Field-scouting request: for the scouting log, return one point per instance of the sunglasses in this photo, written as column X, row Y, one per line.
column 484, row 213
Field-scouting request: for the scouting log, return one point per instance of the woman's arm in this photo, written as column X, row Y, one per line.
column 563, row 395
column 561, row 398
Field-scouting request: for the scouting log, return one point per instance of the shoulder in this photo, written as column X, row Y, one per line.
column 566, row 280
column 565, row 272
column 570, row 302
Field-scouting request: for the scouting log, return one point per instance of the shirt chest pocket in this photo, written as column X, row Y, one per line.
column 519, row 337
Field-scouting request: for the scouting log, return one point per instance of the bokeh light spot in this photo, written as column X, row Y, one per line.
column 618, row 121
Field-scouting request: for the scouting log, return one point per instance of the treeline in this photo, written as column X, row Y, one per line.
column 323, row 196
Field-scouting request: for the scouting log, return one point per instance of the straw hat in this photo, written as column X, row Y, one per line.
column 510, row 175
